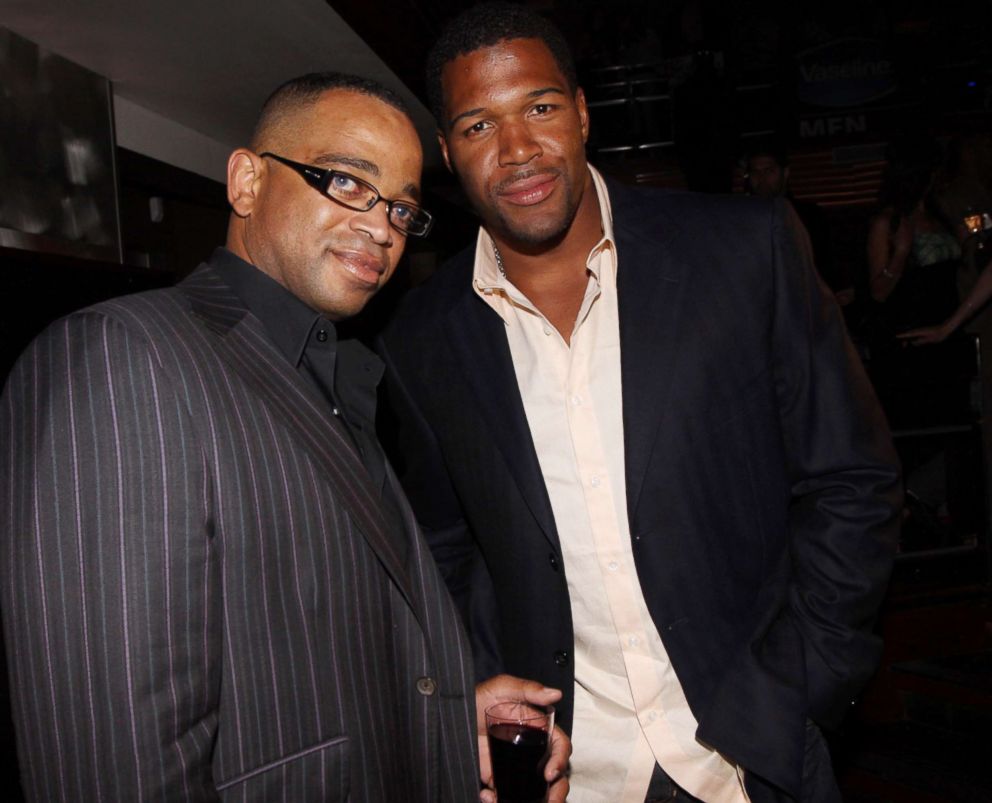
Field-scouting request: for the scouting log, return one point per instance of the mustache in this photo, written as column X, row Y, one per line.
column 525, row 174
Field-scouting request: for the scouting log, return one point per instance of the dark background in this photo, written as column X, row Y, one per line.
column 679, row 91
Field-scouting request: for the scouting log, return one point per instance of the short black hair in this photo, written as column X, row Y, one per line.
column 485, row 25
column 305, row 90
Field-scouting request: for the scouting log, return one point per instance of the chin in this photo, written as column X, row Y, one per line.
column 533, row 227
column 537, row 233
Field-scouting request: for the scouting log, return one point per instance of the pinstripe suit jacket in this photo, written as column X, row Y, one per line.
column 200, row 598
column 761, row 481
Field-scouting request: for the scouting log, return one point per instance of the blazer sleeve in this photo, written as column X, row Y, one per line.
column 814, row 648
column 421, row 468
column 107, row 567
column 844, row 475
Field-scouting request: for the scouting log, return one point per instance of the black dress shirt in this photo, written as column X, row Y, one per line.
column 345, row 372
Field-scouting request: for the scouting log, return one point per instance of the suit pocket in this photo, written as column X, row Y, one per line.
column 316, row 773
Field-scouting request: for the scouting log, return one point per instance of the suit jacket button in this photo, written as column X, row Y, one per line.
column 553, row 561
column 561, row 658
column 426, row 686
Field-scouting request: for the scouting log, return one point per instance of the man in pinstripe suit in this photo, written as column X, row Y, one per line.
column 212, row 585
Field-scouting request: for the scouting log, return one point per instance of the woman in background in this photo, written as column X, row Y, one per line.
column 912, row 257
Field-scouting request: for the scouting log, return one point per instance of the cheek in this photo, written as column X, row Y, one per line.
column 572, row 143
column 472, row 166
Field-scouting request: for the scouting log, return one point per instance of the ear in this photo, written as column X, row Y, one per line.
column 243, row 181
column 580, row 104
column 443, row 145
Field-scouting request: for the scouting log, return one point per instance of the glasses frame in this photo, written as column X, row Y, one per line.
column 320, row 179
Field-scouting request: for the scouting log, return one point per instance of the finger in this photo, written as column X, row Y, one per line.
column 558, row 791
column 534, row 692
column 485, row 763
column 507, row 687
column 488, row 796
column 561, row 749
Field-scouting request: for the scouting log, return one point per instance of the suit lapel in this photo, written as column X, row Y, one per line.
column 478, row 339
column 241, row 342
column 650, row 280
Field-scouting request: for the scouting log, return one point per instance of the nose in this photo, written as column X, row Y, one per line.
column 517, row 145
column 374, row 223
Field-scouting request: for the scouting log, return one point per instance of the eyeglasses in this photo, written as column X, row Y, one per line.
column 361, row 196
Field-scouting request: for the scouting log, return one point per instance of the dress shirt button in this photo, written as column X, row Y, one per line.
column 322, row 335
column 426, row 686
column 633, row 641
column 612, row 565
column 652, row 716
column 594, row 481
column 561, row 658
column 576, row 401
column 553, row 561
column 547, row 330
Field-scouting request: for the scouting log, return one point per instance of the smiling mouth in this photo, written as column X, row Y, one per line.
column 528, row 190
column 363, row 266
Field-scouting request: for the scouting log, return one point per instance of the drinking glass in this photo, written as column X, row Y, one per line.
column 519, row 746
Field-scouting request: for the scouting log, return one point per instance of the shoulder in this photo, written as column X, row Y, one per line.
column 83, row 353
column 699, row 216
column 169, row 311
column 707, row 232
column 429, row 302
column 135, row 312
column 151, row 322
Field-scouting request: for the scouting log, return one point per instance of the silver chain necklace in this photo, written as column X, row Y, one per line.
column 499, row 261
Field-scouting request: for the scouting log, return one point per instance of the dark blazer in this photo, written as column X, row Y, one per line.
column 762, row 487
column 201, row 600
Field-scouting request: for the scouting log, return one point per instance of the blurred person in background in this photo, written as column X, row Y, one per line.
column 767, row 176
column 913, row 259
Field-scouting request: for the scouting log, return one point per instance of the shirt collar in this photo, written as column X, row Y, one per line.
column 287, row 320
column 290, row 323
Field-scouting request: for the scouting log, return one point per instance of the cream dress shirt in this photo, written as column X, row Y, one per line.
column 630, row 710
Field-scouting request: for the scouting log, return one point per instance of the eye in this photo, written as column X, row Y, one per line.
column 403, row 213
column 477, row 128
column 343, row 184
column 542, row 109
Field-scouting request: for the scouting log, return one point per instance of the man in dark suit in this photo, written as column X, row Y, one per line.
column 213, row 587
column 640, row 446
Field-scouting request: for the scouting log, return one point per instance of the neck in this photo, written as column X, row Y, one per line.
column 553, row 275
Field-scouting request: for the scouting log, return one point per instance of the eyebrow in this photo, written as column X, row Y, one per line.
column 537, row 93
column 332, row 159
column 329, row 159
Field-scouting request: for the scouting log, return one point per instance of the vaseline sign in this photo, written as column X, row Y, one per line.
column 844, row 73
